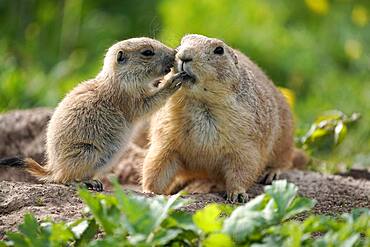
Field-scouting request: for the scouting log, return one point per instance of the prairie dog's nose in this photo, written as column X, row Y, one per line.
column 184, row 56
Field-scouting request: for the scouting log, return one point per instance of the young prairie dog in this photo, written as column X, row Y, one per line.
column 94, row 121
column 227, row 122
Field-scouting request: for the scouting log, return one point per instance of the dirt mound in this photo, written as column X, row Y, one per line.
column 334, row 195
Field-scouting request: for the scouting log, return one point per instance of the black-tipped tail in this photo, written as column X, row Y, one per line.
column 29, row 164
column 13, row 162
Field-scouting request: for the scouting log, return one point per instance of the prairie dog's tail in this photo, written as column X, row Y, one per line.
column 300, row 158
column 29, row 164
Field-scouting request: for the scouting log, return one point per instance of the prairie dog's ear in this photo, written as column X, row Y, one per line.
column 120, row 57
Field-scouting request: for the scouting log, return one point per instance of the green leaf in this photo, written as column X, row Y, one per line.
column 299, row 205
column 60, row 234
column 218, row 240
column 140, row 214
column 243, row 223
column 180, row 220
column 33, row 233
column 18, row 239
column 165, row 236
column 340, row 132
column 318, row 133
column 173, row 203
column 143, row 216
column 111, row 241
column 245, row 220
column 85, row 231
column 30, row 227
column 283, row 194
column 104, row 209
column 208, row 219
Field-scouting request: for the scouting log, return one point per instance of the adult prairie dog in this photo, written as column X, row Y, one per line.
column 94, row 121
column 227, row 122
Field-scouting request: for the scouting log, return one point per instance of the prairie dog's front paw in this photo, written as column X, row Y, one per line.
column 237, row 197
column 176, row 80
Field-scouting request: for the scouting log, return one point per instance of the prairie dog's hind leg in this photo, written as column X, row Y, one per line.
column 159, row 171
column 240, row 174
column 80, row 163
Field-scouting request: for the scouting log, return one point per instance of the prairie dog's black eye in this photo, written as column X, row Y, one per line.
column 219, row 50
column 148, row 53
column 120, row 57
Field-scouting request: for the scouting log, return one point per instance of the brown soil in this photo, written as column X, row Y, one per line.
column 334, row 195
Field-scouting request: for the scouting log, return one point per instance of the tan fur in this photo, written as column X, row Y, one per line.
column 229, row 126
column 94, row 121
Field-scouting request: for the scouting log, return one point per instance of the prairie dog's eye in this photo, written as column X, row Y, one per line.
column 120, row 57
column 219, row 50
column 148, row 53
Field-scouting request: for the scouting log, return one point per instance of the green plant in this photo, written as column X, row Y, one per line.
column 327, row 131
column 126, row 219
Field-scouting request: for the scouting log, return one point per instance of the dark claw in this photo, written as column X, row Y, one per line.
column 264, row 179
column 94, row 185
column 269, row 176
column 235, row 197
column 242, row 198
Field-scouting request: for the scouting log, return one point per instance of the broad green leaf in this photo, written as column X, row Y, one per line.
column 243, row 223
column 144, row 216
column 283, row 194
column 218, row 240
column 299, row 205
column 104, row 209
column 208, row 219
column 140, row 214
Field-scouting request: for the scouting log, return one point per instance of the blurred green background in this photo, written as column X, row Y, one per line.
column 317, row 48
